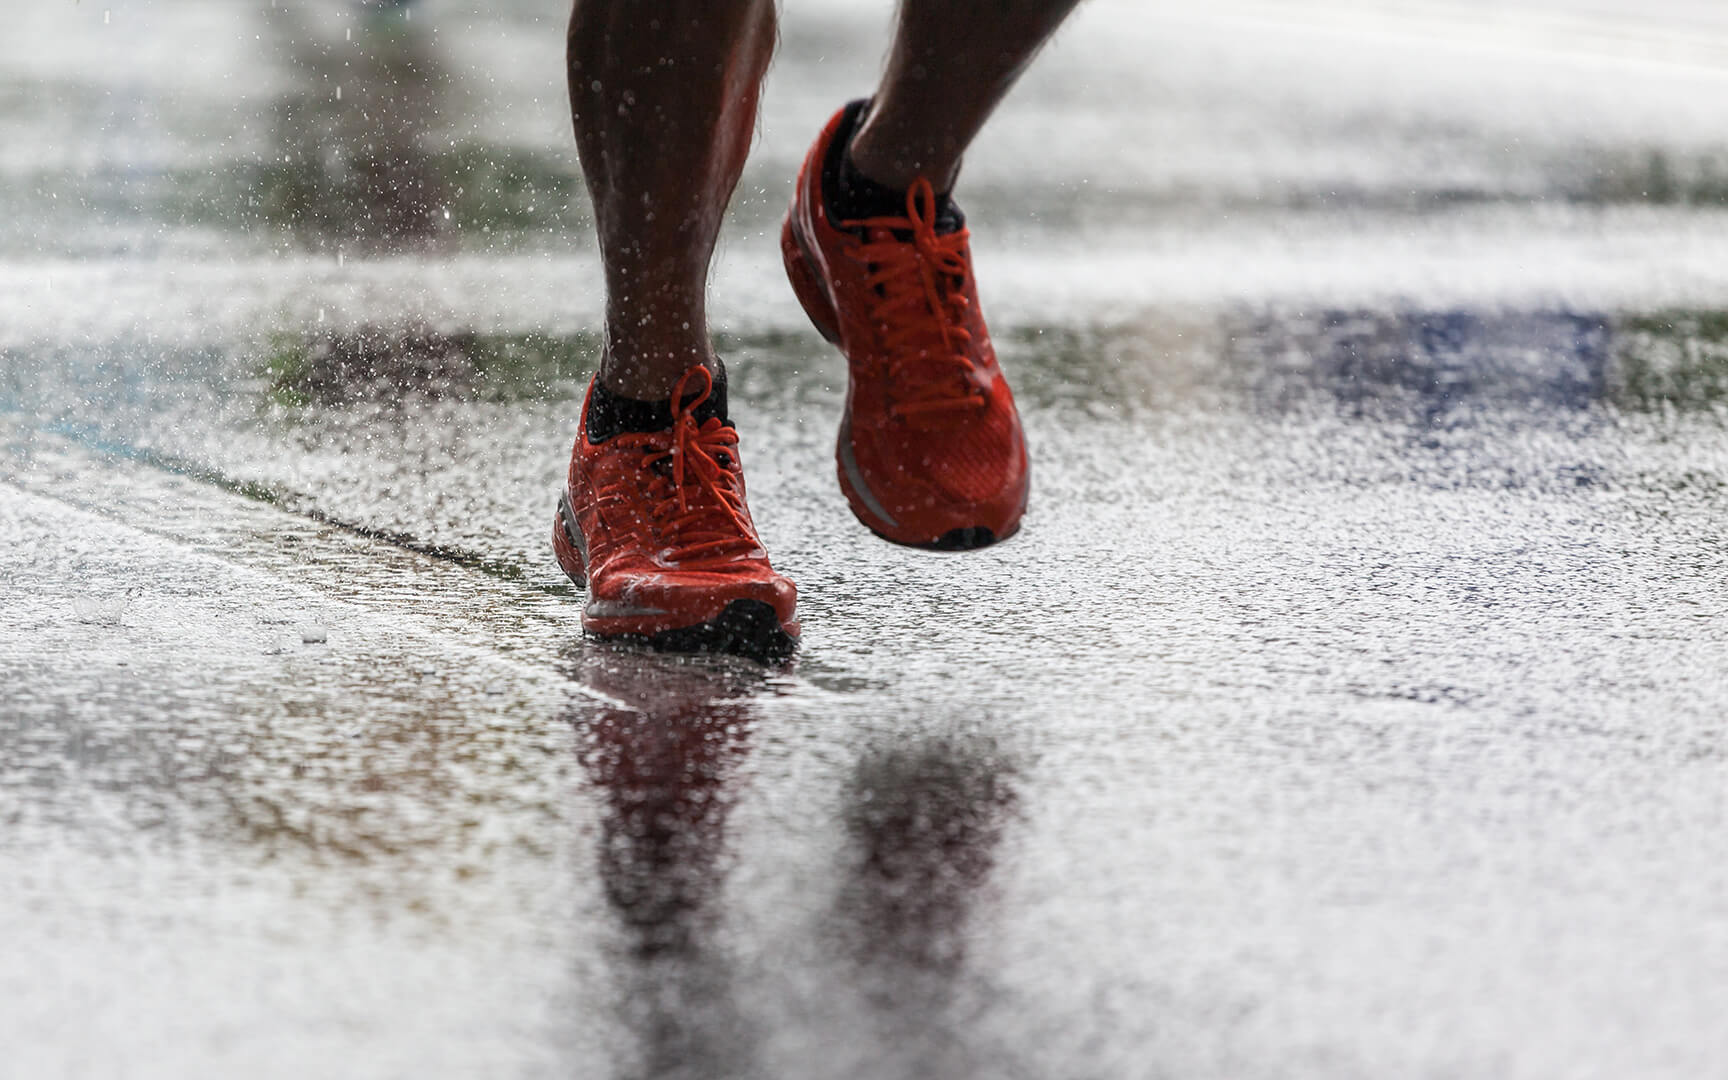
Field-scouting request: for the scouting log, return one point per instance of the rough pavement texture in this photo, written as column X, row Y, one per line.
column 1349, row 706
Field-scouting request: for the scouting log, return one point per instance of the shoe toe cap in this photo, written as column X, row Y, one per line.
column 955, row 491
column 704, row 594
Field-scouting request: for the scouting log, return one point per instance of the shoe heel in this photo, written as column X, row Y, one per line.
column 564, row 547
column 809, row 290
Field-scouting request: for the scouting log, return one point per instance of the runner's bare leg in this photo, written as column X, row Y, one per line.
column 663, row 95
column 952, row 62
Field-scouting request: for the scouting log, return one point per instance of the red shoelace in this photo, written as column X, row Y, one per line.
column 690, row 482
column 922, row 306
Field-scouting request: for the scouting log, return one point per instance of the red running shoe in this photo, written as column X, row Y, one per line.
column 930, row 452
column 656, row 526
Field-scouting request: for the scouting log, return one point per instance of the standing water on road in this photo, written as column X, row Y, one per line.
column 1349, row 704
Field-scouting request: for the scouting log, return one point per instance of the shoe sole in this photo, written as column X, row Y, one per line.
column 970, row 538
column 567, row 544
column 748, row 628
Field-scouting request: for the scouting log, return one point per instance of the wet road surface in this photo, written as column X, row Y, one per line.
column 1349, row 705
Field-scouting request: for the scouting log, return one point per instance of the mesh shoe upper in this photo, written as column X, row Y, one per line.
column 931, row 442
column 665, row 533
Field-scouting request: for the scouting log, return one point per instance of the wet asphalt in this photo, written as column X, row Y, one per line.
column 1349, row 706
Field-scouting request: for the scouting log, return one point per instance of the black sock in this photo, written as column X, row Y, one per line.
column 857, row 196
column 852, row 196
column 612, row 414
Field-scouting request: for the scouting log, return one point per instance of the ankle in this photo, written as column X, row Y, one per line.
column 851, row 193
column 883, row 153
column 857, row 196
column 647, row 371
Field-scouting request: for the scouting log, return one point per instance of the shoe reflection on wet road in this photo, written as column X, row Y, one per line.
column 667, row 772
column 923, row 819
